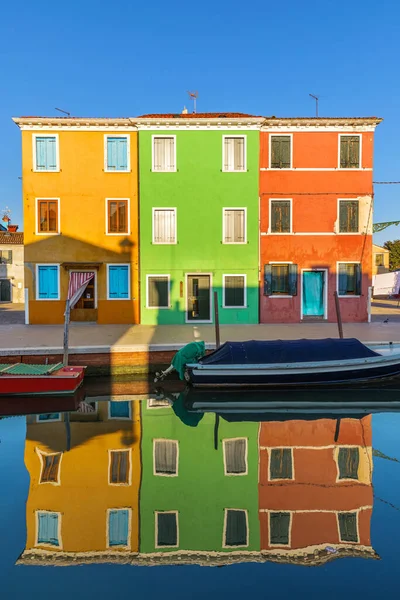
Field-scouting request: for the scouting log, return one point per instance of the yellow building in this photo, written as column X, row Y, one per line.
column 80, row 199
column 85, row 474
column 380, row 259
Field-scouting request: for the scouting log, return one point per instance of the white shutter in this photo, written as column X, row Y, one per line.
column 238, row 164
column 228, row 226
column 238, row 226
column 164, row 224
column 234, row 155
column 164, row 154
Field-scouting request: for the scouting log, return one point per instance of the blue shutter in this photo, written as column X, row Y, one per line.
column 118, row 281
column 293, row 280
column 120, row 409
column 48, row 529
column 358, row 280
column 118, row 527
column 117, row 154
column 48, row 282
column 342, row 279
column 46, row 153
column 122, row 154
column 267, row 280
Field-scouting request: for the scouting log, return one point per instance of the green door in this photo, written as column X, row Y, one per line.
column 198, row 298
column 313, row 293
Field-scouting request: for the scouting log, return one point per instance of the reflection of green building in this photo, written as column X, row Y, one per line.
column 195, row 498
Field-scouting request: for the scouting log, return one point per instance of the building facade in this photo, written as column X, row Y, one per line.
column 198, row 217
column 80, row 198
column 316, row 212
column 380, row 260
column 11, row 266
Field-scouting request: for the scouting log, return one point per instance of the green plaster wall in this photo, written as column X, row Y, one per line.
column 199, row 190
column 201, row 491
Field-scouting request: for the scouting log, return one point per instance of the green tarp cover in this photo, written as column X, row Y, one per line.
column 189, row 354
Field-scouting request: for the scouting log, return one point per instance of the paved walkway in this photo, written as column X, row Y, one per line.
column 11, row 313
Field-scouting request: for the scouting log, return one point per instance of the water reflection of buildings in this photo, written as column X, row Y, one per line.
column 140, row 486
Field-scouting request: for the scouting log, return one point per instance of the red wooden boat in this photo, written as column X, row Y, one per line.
column 22, row 379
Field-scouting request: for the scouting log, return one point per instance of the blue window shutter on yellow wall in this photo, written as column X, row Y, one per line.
column 48, row 528
column 48, row 282
column 117, row 154
column 118, row 527
column 118, row 281
column 46, row 153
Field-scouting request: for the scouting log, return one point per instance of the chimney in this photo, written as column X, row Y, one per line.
column 185, row 111
column 12, row 228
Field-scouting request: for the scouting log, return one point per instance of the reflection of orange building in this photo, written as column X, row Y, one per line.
column 315, row 493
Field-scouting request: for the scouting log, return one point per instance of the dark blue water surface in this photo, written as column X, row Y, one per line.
column 339, row 577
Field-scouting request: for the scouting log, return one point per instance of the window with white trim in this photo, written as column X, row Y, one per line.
column 117, row 153
column 279, row 527
column 280, row 216
column 234, row 291
column 234, row 153
column 348, row 216
column 118, row 527
column 48, row 528
column 48, row 282
column 158, row 291
column 164, row 154
column 167, row 529
column 350, row 146
column 236, row 529
column 119, row 467
column 280, row 463
column 235, row 456
column 165, row 457
column 348, row 530
column 234, row 225
column 46, row 153
column 50, row 470
column 349, row 279
column 281, row 152
column 164, row 226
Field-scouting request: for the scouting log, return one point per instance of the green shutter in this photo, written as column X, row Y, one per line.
column 281, row 463
column 293, row 280
column 279, row 528
column 280, row 216
column 348, row 461
column 275, row 152
column 344, row 152
column 358, row 279
column 350, row 152
column 234, row 290
column 280, row 152
column 348, row 527
column 267, row 280
column 285, row 152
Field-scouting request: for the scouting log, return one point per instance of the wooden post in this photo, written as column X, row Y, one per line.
column 216, row 320
column 338, row 315
column 66, row 332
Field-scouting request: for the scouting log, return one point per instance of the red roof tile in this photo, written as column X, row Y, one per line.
column 11, row 238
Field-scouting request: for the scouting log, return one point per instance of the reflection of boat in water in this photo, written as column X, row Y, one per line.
column 24, row 405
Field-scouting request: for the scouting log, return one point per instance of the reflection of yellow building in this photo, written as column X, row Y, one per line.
column 80, row 198
column 380, row 259
column 84, row 500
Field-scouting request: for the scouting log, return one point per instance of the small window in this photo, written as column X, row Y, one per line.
column 234, row 291
column 119, row 467
column 165, row 457
column 236, row 530
column 348, row 461
column 234, row 226
column 280, row 280
column 47, row 216
column 234, row 154
column 48, row 528
column 118, row 527
column 235, row 456
column 48, row 417
column 158, row 291
column 348, row 527
column 164, row 226
column 47, row 282
column 349, row 279
column 280, row 466
column 167, row 529
column 118, row 282
column 279, row 524
column 50, row 468
column 120, row 410
column 348, row 216
column 281, row 151
column 164, row 155
column 379, row 260
column 117, row 216
column 158, row 403
column 117, row 153
column 46, row 152
column 280, row 216
column 5, row 257
column 349, row 151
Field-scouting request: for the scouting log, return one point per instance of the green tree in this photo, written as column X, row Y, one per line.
column 394, row 256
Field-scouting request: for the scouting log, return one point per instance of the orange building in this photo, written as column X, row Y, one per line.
column 316, row 218
column 315, row 488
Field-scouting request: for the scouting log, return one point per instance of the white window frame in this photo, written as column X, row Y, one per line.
column 336, row 459
column 244, row 208
column 355, row 512
column 41, row 454
column 94, row 271
column 128, row 200
column 245, row 290
column 41, row 135
column 211, row 296
column 224, row 544
column 119, row 418
column 108, row 265
column 347, row 262
column 153, row 170
column 169, row 291
column 325, row 297
column 59, row 528
column 128, row 542
column 270, row 232
column 110, row 451
column 176, row 442
column 338, row 232
column 47, row 233
column 244, row 170
column 292, row 478
column 49, row 420
column 153, row 228
column 246, row 472
column 359, row 135
column 151, row 406
column 279, row 134
column 163, row 512
column 37, row 282
column 128, row 152
column 273, row 544
column 280, row 262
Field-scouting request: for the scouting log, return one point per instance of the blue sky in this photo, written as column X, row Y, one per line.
column 129, row 58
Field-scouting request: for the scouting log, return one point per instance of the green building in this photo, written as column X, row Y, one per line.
column 199, row 211
column 196, row 498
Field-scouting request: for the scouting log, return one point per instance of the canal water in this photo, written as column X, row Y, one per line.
column 148, row 496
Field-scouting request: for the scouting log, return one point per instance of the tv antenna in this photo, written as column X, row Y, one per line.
column 316, row 98
column 193, row 96
column 63, row 111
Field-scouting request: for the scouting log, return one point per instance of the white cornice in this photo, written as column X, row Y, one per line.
column 68, row 124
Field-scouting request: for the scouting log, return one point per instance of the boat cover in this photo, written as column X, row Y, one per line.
column 287, row 351
column 188, row 354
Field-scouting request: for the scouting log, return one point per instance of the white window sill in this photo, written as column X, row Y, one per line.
column 46, row 170
column 279, row 296
column 279, row 232
column 234, row 170
column 158, row 307
column 163, row 170
column 113, row 299
column 234, row 243
column 48, row 233
column 234, row 307
column 349, row 296
column 117, row 171
column 120, row 233
column 48, row 299
column 164, row 243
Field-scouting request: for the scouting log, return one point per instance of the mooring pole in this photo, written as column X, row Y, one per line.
column 66, row 333
column 338, row 315
column 216, row 321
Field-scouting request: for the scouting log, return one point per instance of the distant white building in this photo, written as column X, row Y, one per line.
column 11, row 265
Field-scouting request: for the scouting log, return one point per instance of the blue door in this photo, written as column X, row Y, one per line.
column 313, row 293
